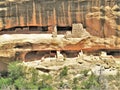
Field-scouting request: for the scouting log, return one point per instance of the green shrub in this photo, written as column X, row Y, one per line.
column 64, row 72
column 35, row 76
column 15, row 70
column 20, row 83
column 75, row 81
column 17, row 77
column 4, row 82
column 45, row 83
column 90, row 82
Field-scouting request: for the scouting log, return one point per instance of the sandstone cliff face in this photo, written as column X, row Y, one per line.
column 104, row 21
column 34, row 47
column 98, row 16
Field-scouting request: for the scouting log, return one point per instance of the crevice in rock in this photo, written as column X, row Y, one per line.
column 43, row 70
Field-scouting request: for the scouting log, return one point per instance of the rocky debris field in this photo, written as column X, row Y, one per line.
column 95, row 63
column 65, row 70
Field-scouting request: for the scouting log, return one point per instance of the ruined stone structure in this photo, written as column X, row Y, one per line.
column 79, row 22
column 100, row 17
column 78, row 31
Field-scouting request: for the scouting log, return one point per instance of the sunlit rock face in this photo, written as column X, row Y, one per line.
column 100, row 17
column 104, row 21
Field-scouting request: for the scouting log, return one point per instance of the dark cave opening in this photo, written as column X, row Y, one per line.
column 114, row 53
column 35, row 28
column 37, row 55
column 64, row 28
column 38, row 28
column 70, row 54
column 61, row 29
column 25, row 30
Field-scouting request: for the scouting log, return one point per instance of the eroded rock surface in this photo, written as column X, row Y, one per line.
column 20, row 45
column 104, row 21
column 100, row 17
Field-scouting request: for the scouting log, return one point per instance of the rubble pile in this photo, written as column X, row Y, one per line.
column 103, row 64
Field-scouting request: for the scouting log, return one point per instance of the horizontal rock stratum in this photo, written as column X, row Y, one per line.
column 35, row 46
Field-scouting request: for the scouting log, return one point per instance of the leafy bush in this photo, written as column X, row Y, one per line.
column 15, row 70
column 20, row 77
column 64, row 72
column 90, row 82
column 4, row 82
column 45, row 82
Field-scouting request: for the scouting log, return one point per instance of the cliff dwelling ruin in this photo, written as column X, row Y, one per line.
column 41, row 28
